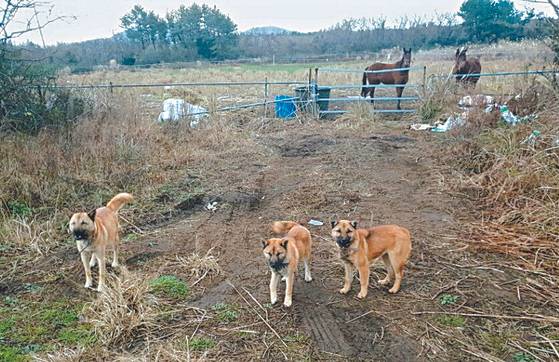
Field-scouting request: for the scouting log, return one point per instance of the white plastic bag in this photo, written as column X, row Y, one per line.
column 175, row 109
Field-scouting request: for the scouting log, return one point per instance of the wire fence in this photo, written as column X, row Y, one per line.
column 310, row 89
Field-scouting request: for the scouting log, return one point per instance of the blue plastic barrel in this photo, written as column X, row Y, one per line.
column 285, row 107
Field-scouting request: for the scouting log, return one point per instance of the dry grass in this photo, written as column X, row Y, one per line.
column 514, row 184
column 125, row 314
column 200, row 266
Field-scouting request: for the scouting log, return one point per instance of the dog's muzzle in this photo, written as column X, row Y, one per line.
column 278, row 264
column 81, row 235
column 343, row 242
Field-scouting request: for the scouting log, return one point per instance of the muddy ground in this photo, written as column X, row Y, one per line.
column 319, row 171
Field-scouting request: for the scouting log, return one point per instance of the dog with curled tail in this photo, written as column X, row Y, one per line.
column 94, row 232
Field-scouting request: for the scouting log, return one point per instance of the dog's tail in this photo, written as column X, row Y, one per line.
column 280, row 227
column 118, row 201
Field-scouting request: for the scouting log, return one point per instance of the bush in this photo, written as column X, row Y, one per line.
column 128, row 60
column 29, row 100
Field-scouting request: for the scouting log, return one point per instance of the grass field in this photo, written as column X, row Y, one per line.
column 479, row 201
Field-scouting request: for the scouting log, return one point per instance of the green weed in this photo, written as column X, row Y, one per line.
column 169, row 285
column 452, row 320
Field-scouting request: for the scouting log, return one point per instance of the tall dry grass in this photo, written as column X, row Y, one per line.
column 125, row 313
column 118, row 147
column 513, row 181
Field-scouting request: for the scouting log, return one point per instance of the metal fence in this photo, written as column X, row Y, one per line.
column 312, row 103
column 357, row 99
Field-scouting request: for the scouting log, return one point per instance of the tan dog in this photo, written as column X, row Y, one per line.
column 360, row 247
column 283, row 257
column 95, row 231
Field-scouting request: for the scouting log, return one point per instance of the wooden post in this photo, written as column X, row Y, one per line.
column 111, row 87
column 424, row 80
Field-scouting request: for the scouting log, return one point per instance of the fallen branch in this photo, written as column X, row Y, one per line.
column 258, row 314
column 361, row 316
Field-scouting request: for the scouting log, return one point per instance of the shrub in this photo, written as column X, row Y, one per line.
column 29, row 100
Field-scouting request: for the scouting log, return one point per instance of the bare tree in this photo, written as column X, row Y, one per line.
column 554, row 24
column 19, row 17
column 553, row 3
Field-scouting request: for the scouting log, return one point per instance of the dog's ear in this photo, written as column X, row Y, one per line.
column 92, row 214
column 354, row 224
column 284, row 243
column 333, row 223
column 264, row 243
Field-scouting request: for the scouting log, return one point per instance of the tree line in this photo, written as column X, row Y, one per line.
column 200, row 32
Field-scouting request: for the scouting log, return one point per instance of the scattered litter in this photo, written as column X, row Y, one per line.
column 477, row 100
column 421, row 126
column 451, row 122
column 176, row 108
column 532, row 138
column 511, row 119
column 212, row 206
column 508, row 117
column 315, row 222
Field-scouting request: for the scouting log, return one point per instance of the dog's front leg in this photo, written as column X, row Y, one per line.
column 363, row 280
column 85, row 261
column 348, row 268
column 289, row 289
column 274, row 281
column 100, row 255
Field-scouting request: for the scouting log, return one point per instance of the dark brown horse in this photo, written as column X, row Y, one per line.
column 397, row 77
column 464, row 69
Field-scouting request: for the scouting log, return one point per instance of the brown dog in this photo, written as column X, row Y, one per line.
column 283, row 257
column 360, row 247
column 95, row 231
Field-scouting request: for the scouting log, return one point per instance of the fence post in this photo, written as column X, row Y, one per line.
column 111, row 87
column 424, row 81
column 266, row 97
column 315, row 93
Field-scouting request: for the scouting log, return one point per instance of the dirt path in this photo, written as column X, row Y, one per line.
column 323, row 174
column 320, row 172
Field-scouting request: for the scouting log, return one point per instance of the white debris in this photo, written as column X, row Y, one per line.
column 315, row 222
column 211, row 206
column 421, row 126
column 451, row 122
column 175, row 109
column 477, row 100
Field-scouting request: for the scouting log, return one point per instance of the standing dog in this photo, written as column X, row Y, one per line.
column 283, row 257
column 360, row 247
column 95, row 231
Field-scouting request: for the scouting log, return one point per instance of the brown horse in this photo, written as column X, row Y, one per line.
column 464, row 67
column 397, row 77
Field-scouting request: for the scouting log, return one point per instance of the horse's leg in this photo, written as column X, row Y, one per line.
column 372, row 94
column 364, row 89
column 399, row 92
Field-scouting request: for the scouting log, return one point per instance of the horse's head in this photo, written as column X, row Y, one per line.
column 460, row 58
column 406, row 58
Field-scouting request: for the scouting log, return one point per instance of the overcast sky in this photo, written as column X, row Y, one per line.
column 101, row 18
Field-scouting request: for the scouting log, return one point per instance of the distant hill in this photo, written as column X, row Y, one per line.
column 267, row 30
